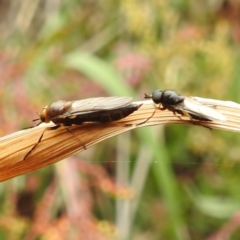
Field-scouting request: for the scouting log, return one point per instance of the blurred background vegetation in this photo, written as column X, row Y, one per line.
column 165, row 182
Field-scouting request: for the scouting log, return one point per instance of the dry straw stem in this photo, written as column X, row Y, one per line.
column 60, row 143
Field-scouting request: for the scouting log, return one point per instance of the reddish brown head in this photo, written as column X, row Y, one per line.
column 54, row 110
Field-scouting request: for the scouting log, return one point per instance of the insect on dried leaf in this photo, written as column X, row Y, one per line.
column 187, row 106
column 101, row 110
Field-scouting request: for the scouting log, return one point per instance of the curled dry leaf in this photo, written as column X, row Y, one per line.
column 60, row 143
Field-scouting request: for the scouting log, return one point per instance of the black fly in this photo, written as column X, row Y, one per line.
column 176, row 103
column 101, row 110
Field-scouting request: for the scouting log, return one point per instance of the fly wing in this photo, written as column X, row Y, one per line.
column 195, row 108
column 89, row 105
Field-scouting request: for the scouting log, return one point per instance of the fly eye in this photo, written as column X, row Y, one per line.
column 157, row 96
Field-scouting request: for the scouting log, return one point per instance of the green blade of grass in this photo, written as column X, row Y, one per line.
column 98, row 71
column 167, row 183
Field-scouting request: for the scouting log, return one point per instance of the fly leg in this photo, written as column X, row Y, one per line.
column 175, row 112
column 197, row 123
column 85, row 148
column 147, row 118
column 160, row 108
column 39, row 140
column 193, row 119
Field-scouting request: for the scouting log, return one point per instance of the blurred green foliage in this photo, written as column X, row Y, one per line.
column 179, row 182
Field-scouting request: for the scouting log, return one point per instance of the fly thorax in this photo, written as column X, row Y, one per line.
column 171, row 98
column 58, row 108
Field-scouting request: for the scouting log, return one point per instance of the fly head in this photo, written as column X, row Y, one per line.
column 156, row 96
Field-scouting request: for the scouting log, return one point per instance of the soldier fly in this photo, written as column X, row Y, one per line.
column 99, row 110
column 187, row 106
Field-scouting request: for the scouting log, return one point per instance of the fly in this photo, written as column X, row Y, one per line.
column 101, row 110
column 176, row 103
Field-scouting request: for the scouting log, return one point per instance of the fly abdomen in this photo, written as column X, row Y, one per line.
column 118, row 114
column 102, row 116
column 200, row 118
column 99, row 116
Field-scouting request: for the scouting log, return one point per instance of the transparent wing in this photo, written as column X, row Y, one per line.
column 97, row 104
column 195, row 108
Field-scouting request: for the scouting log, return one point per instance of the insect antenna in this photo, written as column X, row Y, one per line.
column 37, row 119
column 147, row 96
